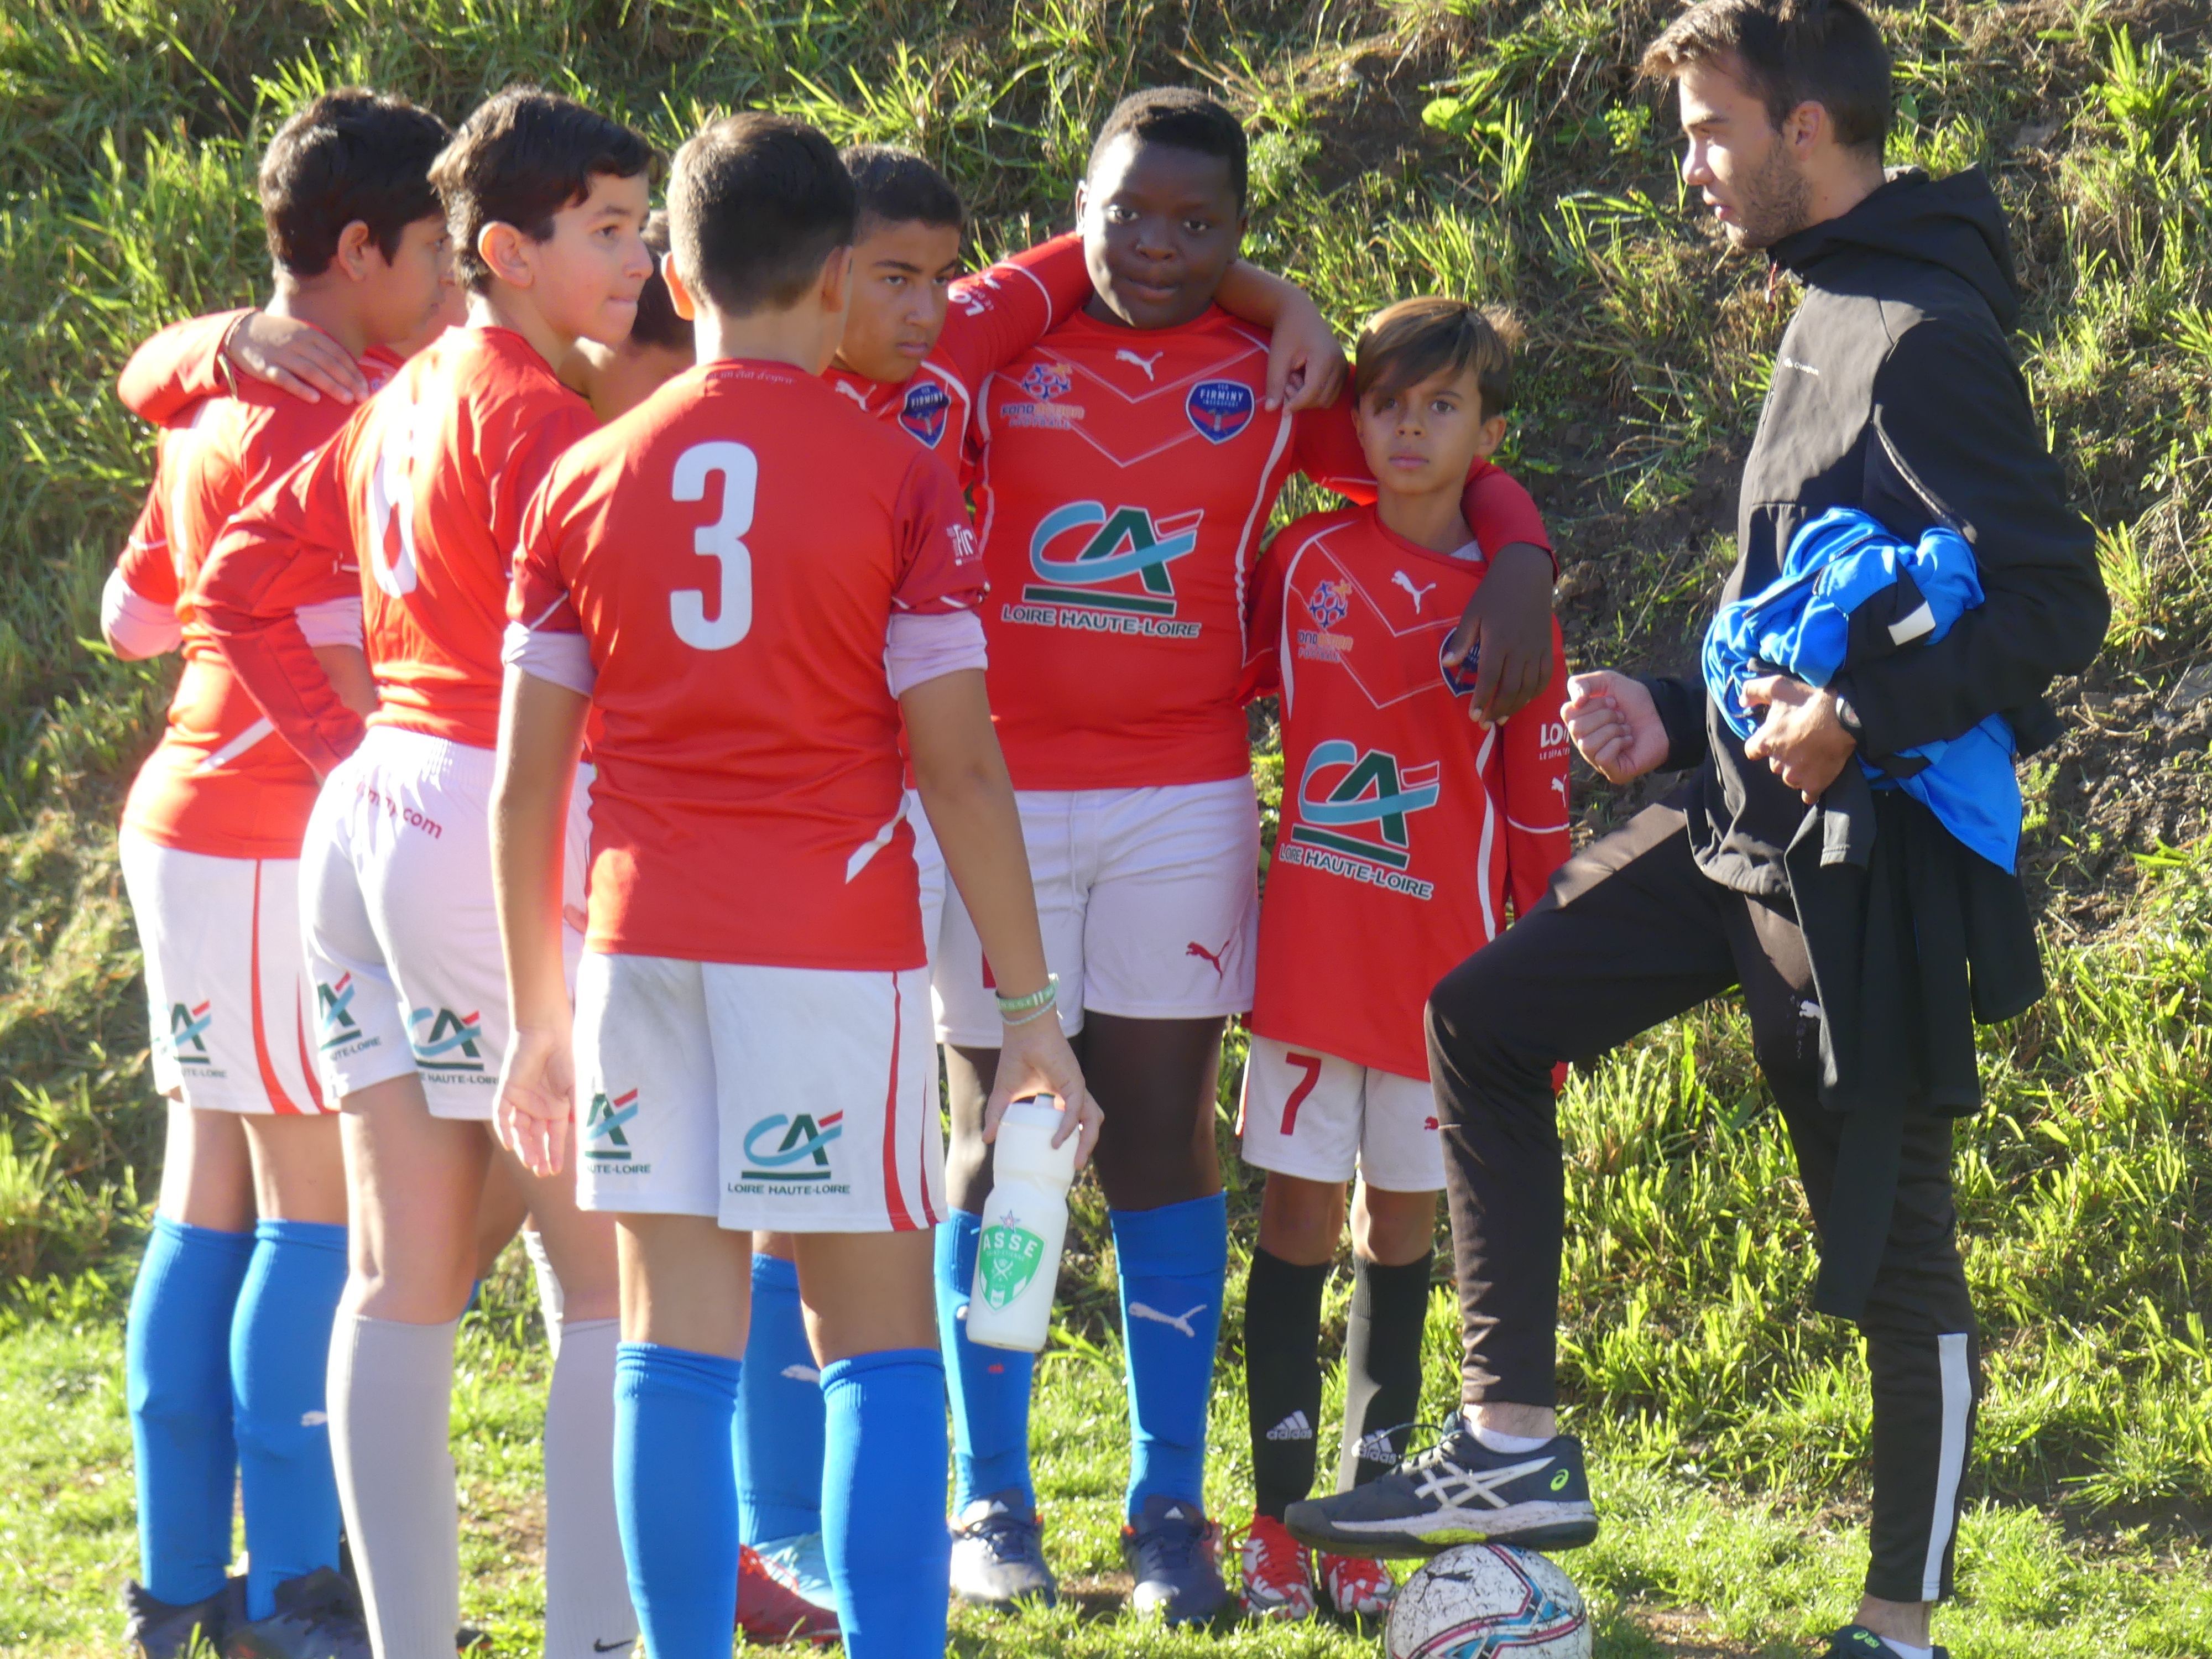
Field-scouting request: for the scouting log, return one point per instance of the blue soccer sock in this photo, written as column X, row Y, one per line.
column 883, row 1502
column 177, row 1373
column 990, row 1387
column 1173, row 1262
column 280, row 1346
column 676, row 1495
column 779, row 1422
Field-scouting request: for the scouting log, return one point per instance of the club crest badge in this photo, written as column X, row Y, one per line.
column 1328, row 604
column 1220, row 410
column 1045, row 381
column 922, row 411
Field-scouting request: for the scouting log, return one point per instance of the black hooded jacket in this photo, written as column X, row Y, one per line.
column 1893, row 391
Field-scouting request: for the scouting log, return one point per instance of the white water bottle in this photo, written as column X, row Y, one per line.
column 1024, row 1223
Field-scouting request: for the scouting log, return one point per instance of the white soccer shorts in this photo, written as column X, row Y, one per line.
column 226, row 986
column 795, row 1100
column 1318, row 1117
column 401, row 934
column 1149, row 902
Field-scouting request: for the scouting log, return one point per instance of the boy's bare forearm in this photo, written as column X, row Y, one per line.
column 541, row 731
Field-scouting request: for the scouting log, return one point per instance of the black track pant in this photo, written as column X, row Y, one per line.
column 1641, row 936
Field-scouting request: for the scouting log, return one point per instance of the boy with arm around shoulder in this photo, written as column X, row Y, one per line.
column 1407, row 833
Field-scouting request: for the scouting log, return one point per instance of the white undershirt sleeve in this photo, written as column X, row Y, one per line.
column 134, row 625
column 559, row 658
column 928, row 646
column 331, row 622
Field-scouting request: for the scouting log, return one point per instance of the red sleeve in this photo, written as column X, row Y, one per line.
column 292, row 547
column 1538, row 834
column 1263, row 625
column 1501, row 513
column 177, row 367
column 537, row 594
column 1000, row 312
column 146, row 568
column 940, row 561
column 519, row 462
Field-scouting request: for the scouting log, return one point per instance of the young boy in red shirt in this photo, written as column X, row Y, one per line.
column 1407, row 833
column 754, row 587
column 415, row 504
column 230, row 1314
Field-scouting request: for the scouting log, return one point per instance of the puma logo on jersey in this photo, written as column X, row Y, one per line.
column 1212, row 959
column 854, row 393
column 1399, row 579
column 1296, row 1426
column 1126, row 356
column 1179, row 1321
column 1561, row 784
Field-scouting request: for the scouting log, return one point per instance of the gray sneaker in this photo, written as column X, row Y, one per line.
column 154, row 1629
column 998, row 1553
column 1174, row 1553
column 1457, row 1492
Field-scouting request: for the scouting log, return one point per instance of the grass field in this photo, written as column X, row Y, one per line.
column 1493, row 148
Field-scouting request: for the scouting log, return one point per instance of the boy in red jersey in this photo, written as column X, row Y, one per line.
column 1407, row 833
column 755, row 585
column 417, row 504
column 225, row 1306
column 1127, row 472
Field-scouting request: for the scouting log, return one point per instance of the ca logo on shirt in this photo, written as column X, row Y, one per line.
column 1352, row 808
column 1116, row 577
column 922, row 411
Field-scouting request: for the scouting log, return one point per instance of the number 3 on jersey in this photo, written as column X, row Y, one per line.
column 722, row 541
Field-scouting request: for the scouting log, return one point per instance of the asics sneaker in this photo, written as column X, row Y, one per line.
column 998, row 1553
column 317, row 1617
column 1173, row 1553
column 1277, row 1573
column 1857, row 1642
column 1356, row 1587
column 798, row 1562
column 772, row 1609
column 1458, row 1492
column 154, row 1629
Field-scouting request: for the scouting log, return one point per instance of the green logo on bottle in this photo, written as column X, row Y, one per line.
column 1006, row 1259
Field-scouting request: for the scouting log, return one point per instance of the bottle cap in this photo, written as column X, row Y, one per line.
column 1037, row 1112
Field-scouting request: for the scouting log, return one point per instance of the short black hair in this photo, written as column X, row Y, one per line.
column 349, row 154
column 756, row 203
column 657, row 323
column 1408, row 343
column 1790, row 52
column 1183, row 119
column 521, row 157
column 899, row 188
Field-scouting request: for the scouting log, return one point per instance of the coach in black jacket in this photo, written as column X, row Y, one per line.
column 1865, row 939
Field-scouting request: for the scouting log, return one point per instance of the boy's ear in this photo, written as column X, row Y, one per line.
column 1492, row 433
column 837, row 278
column 678, row 295
column 504, row 251
column 355, row 244
column 1082, row 197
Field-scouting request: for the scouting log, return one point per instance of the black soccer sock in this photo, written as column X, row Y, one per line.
column 1282, row 1377
column 1382, row 1366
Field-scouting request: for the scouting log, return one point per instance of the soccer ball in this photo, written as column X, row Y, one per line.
column 1488, row 1601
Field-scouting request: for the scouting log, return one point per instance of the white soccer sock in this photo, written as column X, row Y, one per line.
column 551, row 1301
column 391, row 1389
column 587, row 1609
column 1508, row 1445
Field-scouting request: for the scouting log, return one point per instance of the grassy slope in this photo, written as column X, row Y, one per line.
column 1729, row 1421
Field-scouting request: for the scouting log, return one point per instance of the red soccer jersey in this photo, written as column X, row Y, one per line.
column 220, row 782
column 1126, row 480
column 1406, row 827
column 992, row 318
column 418, row 503
column 732, row 552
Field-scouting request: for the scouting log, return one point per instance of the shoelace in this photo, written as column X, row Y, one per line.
column 1171, row 1545
column 1006, row 1535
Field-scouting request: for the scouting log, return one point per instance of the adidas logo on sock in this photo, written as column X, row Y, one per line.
column 1296, row 1426
column 1375, row 1448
